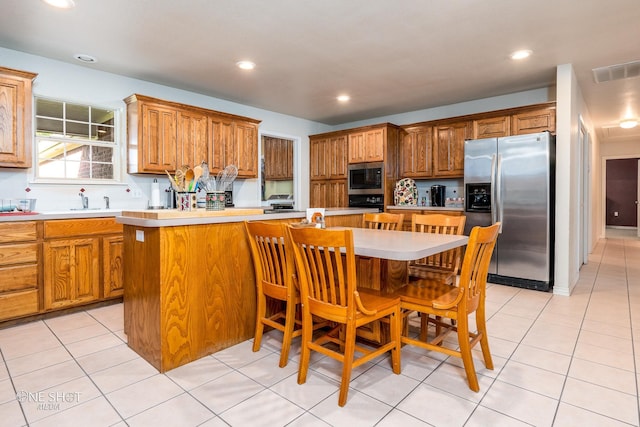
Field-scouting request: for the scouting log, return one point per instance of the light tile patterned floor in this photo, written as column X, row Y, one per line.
column 558, row 362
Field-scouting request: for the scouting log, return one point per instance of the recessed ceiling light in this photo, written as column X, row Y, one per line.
column 62, row 4
column 246, row 65
column 343, row 98
column 628, row 123
column 87, row 59
column 520, row 54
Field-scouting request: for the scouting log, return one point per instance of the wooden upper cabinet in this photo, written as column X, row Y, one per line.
column 534, row 121
column 367, row 146
column 245, row 155
column 234, row 143
column 151, row 135
column 318, row 159
column 448, row 152
column 193, row 138
column 338, row 148
column 164, row 135
column 15, row 118
column 278, row 159
column 222, row 138
column 494, row 127
column 416, row 153
column 328, row 157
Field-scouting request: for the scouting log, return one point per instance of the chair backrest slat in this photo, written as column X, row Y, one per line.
column 439, row 224
column 326, row 265
column 382, row 221
column 267, row 244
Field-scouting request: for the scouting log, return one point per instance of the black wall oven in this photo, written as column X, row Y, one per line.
column 367, row 201
column 366, row 178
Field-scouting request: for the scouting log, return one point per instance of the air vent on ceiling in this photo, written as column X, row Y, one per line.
column 616, row 72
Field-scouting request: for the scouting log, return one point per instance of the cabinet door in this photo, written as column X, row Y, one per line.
column 448, row 159
column 494, row 127
column 222, row 136
column 534, row 121
column 337, row 193
column 112, row 262
column 193, row 139
column 318, row 196
column 71, row 272
column 416, row 154
column 158, row 144
column 338, row 155
column 374, row 145
column 319, row 159
column 15, row 118
column 356, row 147
column 245, row 149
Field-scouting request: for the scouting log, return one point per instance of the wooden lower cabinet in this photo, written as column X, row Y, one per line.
column 112, row 266
column 71, row 272
column 82, row 261
column 19, row 256
column 330, row 193
column 57, row 264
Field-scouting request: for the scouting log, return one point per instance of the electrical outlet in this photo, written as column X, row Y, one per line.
column 136, row 193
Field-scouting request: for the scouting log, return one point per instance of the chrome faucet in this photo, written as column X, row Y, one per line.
column 85, row 201
column 106, row 202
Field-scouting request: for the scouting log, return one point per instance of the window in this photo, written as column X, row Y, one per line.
column 75, row 141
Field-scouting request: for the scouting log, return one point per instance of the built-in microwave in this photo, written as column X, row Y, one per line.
column 366, row 178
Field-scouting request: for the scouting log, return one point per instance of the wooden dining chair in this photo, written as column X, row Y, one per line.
column 383, row 221
column 274, row 271
column 440, row 301
column 326, row 268
column 442, row 266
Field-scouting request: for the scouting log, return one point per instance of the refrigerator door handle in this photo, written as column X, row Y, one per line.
column 494, row 213
column 498, row 198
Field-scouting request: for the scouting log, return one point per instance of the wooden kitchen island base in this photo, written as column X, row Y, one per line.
column 189, row 290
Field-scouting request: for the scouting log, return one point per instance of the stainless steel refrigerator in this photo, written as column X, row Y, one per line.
column 512, row 180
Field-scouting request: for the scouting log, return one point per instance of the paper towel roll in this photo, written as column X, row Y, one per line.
column 155, row 194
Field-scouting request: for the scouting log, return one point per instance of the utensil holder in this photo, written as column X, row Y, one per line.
column 186, row 201
column 215, row 201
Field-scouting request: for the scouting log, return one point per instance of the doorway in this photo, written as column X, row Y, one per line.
column 278, row 181
column 621, row 196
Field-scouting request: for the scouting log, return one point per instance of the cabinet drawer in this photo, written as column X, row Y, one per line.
column 18, row 254
column 18, row 304
column 19, row 277
column 18, row 231
column 84, row 227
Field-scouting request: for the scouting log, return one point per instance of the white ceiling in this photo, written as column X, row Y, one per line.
column 390, row 56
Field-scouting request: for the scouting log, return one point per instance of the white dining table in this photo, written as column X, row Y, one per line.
column 402, row 245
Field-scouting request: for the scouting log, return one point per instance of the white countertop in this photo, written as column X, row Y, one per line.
column 62, row 214
column 171, row 222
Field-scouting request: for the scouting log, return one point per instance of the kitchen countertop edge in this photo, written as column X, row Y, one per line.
column 173, row 222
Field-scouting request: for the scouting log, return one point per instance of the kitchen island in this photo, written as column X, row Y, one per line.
column 189, row 282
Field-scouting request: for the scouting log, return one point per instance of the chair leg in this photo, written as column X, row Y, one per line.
column 349, row 352
column 289, row 323
column 261, row 309
column 396, row 333
column 424, row 325
column 481, row 324
column 305, row 351
column 465, row 353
